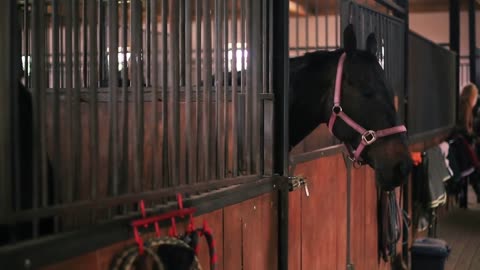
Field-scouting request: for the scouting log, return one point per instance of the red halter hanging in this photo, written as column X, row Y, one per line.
column 368, row 136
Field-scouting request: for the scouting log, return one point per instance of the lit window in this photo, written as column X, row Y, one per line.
column 29, row 64
column 381, row 59
column 121, row 58
column 240, row 54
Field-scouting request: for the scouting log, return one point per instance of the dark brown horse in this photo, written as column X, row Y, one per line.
column 365, row 98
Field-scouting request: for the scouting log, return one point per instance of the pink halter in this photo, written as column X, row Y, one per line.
column 368, row 136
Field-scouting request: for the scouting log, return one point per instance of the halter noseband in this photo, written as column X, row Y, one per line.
column 368, row 136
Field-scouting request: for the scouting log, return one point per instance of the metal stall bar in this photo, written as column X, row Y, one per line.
column 8, row 85
column 198, row 59
column 38, row 87
column 46, row 191
column 26, row 38
column 68, row 101
column 62, row 50
column 17, row 143
column 337, row 18
column 57, row 153
column 137, row 89
column 218, row 85
column 472, row 41
column 280, row 71
column 224, row 157
column 404, row 103
column 155, row 86
column 263, row 71
column 102, row 44
column 134, row 91
column 270, row 47
column 181, row 40
column 113, row 141
column 307, row 34
column 316, row 24
column 182, row 174
column 234, row 91
column 265, row 52
column 207, row 73
column 242, row 121
column 256, row 86
column 175, row 102
column 165, row 115
column 85, row 42
column 125, row 183
column 297, row 29
column 326, row 25
column 77, row 120
column 249, row 89
column 269, row 113
column 392, row 5
column 189, row 146
column 140, row 92
column 93, row 101
column 148, row 42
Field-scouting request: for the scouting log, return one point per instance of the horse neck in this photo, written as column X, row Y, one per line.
column 311, row 93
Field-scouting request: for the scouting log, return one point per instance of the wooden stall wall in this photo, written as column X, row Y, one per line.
column 318, row 223
column 245, row 236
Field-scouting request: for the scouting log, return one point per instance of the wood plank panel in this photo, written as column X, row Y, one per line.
column 87, row 261
column 259, row 235
column 320, row 232
column 295, row 227
column 371, row 226
column 357, row 218
column 232, row 241
column 245, row 236
column 341, row 210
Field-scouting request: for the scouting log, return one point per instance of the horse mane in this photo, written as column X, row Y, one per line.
column 313, row 59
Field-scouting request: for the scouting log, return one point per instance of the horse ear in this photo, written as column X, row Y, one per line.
column 372, row 44
column 349, row 39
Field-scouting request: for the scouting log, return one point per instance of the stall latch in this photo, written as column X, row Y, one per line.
column 295, row 182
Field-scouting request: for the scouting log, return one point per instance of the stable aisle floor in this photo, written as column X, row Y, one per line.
column 461, row 229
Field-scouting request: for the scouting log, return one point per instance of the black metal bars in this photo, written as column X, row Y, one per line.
column 126, row 102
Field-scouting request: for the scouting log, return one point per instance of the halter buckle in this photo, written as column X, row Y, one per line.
column 356, row 163
column 336, row 109
column 369, row 137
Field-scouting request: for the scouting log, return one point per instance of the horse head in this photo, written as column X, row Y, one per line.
column 362, row 113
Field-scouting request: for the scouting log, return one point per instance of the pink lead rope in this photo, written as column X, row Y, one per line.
column 368, row 136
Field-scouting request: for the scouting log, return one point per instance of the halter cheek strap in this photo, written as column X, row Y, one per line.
column 368, row 136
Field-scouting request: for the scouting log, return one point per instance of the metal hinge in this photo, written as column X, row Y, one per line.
column 295, row 182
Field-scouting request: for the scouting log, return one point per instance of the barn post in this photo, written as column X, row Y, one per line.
column 472, row 42
column 406, row 186
column 455, row 41
column 280, row 70
column 8, row 86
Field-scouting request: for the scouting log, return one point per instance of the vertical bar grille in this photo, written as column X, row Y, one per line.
column 131, row 96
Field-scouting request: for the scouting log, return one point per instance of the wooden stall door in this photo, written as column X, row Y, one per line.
column 318, row 223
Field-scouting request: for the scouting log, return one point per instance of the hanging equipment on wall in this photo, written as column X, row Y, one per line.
column 167, row 252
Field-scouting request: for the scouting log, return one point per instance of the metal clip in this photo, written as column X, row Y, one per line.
column 294, row 182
